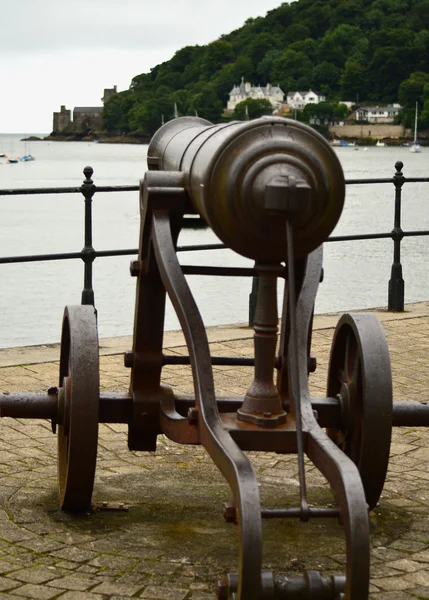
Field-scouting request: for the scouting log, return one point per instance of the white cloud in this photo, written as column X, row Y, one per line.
column 54, row 52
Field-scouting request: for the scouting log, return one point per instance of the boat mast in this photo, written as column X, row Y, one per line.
column 415, row 125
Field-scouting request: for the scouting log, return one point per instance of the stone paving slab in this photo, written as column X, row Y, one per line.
column 172, row 542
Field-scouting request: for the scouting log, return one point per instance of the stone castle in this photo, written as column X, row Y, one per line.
column 84, row 117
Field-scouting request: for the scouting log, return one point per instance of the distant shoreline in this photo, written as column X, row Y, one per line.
column 103, row 139
column 123, row 139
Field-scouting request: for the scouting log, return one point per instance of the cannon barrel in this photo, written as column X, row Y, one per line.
column 245, row 178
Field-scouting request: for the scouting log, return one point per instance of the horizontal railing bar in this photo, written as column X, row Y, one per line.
column 97, row 254
column 416, row 179
column 386, row 180
column 68, row 190
column 4, row 260
column 373, row 236
column 37, row 191
column 135, row 188
column 134, row 251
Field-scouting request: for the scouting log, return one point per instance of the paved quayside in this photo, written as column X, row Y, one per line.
column 172, row 543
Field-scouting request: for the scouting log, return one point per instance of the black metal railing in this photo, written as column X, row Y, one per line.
column 88, row 254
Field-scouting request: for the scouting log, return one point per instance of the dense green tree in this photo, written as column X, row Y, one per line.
column 353, row 80
column 307, row 46
column 338, row 43
column 321, row 113
column 207, row 104
column 263, row 43
column 325, row 73
column 264, row 69
column 292, row 65
column 424, row 113
column 147, row 117
column 253, row 108
column 216, row 55
column 295, row 33
column 115, row 112
column 411, row 89
column 340, row 111
column 377, row 50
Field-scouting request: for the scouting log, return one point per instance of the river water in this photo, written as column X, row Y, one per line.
column 33, row 295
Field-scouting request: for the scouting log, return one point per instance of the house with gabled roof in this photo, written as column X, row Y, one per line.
column 376, row 114
column 242, row 92
column 300, row 100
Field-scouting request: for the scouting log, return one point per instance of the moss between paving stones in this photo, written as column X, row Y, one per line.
column 177, row 517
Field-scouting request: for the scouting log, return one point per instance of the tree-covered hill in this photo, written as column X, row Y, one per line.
column 356, row 50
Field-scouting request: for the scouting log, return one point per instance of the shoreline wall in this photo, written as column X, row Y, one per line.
column 368, row 130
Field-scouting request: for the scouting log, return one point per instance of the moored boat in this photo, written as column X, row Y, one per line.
column 415, row 146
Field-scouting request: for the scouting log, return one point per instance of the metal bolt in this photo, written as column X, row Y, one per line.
column 230, row 513
column 268, row 415
column 287, row 194
column 129, row 359
column 135, row 268
column 193, row 415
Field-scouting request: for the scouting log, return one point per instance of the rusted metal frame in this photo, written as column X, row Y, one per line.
column 221, row 271
column 243, row 361
column 310, row 586
column 295, row 513
column 162, row 190
column 339, row 470
column 262, row 404
column 293, row 369
column 228, row 457
column 116, row 407
column 29, row 406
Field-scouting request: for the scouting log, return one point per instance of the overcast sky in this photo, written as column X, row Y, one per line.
column 55, row 52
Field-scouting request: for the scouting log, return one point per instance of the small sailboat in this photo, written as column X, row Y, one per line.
column 27, row 154
column 415, row 146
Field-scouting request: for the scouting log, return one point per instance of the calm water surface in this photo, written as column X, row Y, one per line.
column 33, row 296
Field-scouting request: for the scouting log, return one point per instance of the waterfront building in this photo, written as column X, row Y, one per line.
column 299, row 100
column 376, row 114
column 84, row 117
column 246, row 90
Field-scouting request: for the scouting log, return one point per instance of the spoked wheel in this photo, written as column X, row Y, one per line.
column 360, row 376
column 78, row 405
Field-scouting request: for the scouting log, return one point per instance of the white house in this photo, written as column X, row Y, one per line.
column 245, row 90
column 377, row 114
column 301, row 99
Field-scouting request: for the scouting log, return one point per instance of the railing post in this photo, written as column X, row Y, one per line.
column 396, row 283
column 88, row 189
column 253, row 297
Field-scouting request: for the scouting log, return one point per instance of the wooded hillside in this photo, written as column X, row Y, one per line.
column 356, row 50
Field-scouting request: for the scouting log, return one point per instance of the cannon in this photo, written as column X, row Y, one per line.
column 272, row 190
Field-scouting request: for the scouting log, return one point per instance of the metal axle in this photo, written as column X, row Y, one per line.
column 117, row 408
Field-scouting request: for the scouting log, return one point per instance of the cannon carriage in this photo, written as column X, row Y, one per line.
column 272, row 190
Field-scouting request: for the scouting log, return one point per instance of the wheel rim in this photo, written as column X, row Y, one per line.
column 79, row 397
column 360, row 375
